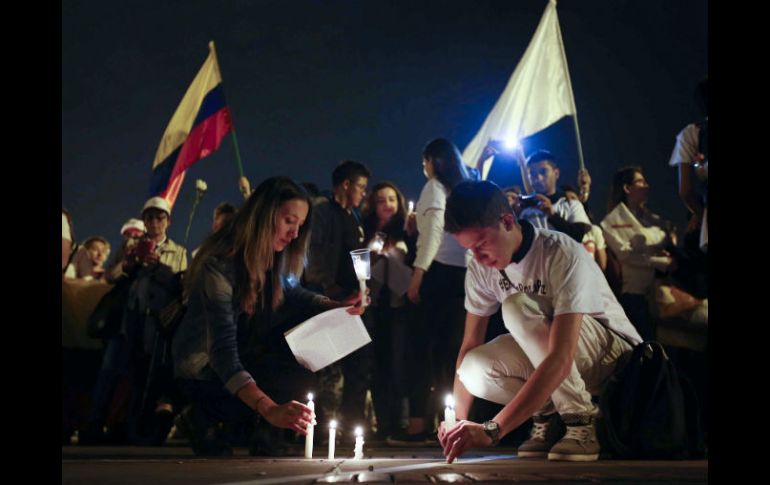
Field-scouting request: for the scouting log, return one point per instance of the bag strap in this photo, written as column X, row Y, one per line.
column 74, row 250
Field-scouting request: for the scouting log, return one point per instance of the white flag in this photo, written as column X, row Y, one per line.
column 538, row 94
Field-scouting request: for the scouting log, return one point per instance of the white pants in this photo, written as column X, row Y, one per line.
column 497, row 370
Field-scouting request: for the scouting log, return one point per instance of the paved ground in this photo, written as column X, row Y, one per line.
column 177, row 465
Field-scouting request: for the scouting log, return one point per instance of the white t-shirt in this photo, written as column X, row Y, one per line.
column 66, row 234
column 433, row 242
column 638, row 247
column 685, row 150
column 593, row 240
column 686, row 147
column 549, row 264
column 65, row 228
column 569, row 210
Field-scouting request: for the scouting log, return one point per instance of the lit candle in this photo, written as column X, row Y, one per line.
column 378, row 242
column 332, row 437
column 358, row 451
column 310, row 428
column 362, row 267
column 449, row 413
column 376, row 245
column 411, row 206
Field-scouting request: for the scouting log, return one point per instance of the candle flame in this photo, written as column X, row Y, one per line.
column 309, row 396
column 449, row 400
column 359, row 431
column 333, row 424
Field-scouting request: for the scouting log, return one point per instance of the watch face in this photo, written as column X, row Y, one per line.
column 490, row 426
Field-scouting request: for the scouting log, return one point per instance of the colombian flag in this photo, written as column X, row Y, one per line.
column 197, row 128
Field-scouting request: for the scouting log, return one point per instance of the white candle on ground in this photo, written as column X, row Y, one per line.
column 332, row 437
column 449, row 413
column 310, row 428
column 358, row 451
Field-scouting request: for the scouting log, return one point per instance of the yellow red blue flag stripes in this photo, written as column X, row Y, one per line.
column 197, row 128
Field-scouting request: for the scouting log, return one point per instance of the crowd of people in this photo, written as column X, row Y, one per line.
column 198, row 348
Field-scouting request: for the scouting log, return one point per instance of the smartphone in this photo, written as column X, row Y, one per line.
column 145, row 247
column 528, row 201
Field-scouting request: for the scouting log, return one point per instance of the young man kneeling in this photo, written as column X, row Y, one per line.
column 568, row 334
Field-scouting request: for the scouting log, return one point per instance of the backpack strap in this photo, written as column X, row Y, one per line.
column 75, row 247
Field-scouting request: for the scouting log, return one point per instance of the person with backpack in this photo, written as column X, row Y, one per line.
column 568, row 334
column 150, row 274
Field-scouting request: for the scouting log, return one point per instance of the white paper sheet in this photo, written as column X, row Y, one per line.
column 326, row 338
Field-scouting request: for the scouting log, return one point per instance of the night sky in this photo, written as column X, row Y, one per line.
column 310, row 83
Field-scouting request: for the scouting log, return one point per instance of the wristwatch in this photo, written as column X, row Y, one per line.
column 492, row 430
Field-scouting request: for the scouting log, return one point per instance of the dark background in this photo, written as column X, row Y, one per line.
column 310, row 83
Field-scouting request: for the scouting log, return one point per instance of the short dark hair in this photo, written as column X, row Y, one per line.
column 569, row 188
column 311, row 188
column 513, row 188
column 348, row 170
column 542, row 156
column 475, row 204
column 224, row 208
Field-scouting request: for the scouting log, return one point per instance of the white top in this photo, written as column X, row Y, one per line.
column 569, row 210
column 686, row 147
column 637, row 246
column 685, row 150
column 69, row 271
column 433, row 242
column 596, row 236
column 65, row 228
column 552, row 265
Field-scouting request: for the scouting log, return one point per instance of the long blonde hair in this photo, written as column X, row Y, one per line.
column 248, row 239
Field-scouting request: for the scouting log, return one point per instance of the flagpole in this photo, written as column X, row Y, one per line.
column 199, row 191
column 238, row 163
column 569, row 81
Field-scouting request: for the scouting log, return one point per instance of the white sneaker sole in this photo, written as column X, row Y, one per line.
column 532, row 454
column 571, row 457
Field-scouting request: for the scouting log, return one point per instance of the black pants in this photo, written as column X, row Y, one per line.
column 438, row 323
column 79, row 370
column 389, row 376
column 356, row 372
column 278, row 374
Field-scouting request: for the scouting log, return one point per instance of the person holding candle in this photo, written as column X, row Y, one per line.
column 336, row 231
column 230, row 356
column 568, row 334
column 385, row 213
column 437, row 288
